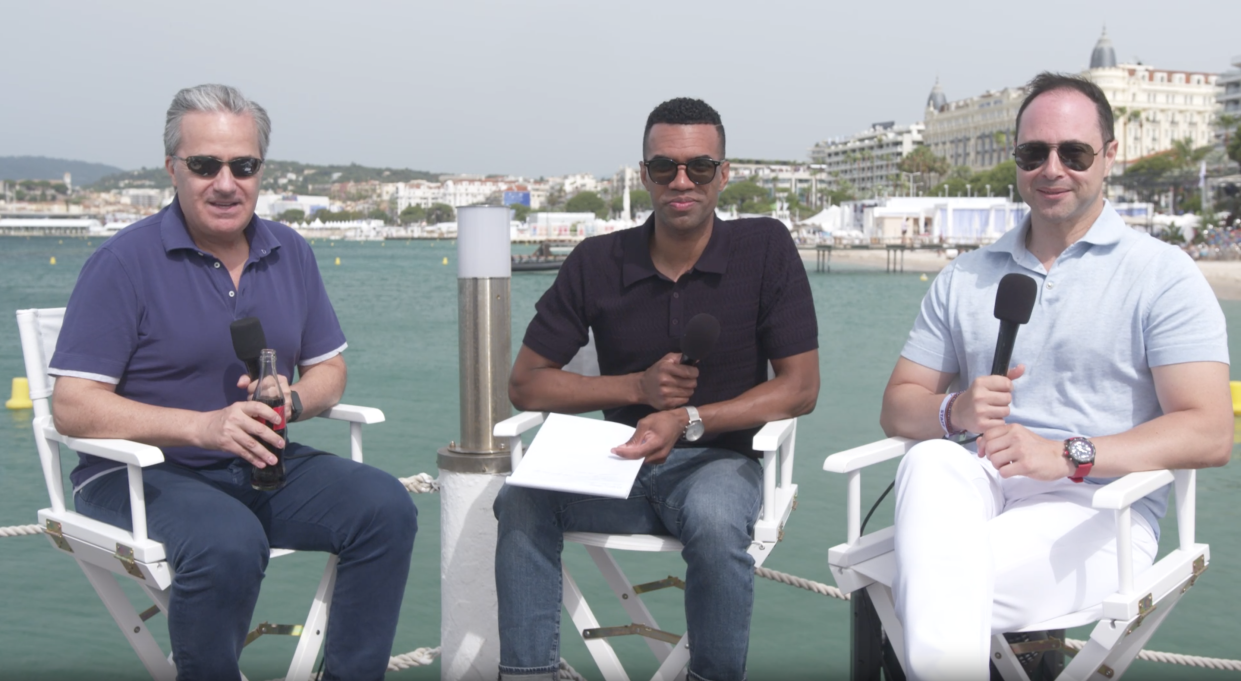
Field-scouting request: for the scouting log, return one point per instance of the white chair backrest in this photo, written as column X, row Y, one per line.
column 39, row 329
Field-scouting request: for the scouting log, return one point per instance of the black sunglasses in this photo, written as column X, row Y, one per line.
column 209, row 166
column 1077, row 156
column 698, row 170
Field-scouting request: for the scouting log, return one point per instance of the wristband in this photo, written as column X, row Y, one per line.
column 945, row 414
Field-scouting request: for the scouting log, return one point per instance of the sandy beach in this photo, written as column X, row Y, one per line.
column 1223, row 275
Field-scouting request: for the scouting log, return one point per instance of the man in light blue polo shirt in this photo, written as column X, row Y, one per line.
column 146, row 354
column 1122, row 367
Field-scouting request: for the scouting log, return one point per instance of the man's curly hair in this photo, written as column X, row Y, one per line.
column 684, row 111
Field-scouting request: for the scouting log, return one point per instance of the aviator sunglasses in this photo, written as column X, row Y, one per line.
column 698, row 170
column 209, row 166
column 1077, row 156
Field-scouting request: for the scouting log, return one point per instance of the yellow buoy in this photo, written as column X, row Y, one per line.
column 922, row 278
column 338, row 261
column 1235, row 386
column 61, row 241
column 21, row 395
column 445, row 260
column 52, row 261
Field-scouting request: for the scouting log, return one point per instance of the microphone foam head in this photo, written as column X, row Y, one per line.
column 1014, row 301
column 248, row 338
column 700, row 335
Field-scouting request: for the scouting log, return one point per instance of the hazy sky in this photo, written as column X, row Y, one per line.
column 545, row 88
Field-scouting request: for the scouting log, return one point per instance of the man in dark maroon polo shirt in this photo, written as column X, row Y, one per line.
column 636, row 290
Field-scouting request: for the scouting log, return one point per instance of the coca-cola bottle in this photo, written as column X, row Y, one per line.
column 267, row 390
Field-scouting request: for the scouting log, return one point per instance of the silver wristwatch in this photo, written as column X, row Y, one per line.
column 695, row 429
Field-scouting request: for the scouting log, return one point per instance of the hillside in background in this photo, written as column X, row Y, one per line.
column 299, row 178
column 43, row 168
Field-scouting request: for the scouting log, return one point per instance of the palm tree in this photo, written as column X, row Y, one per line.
column 1184, row 158
column 1227, row 123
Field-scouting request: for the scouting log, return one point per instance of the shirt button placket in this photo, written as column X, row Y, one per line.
column 675, row 312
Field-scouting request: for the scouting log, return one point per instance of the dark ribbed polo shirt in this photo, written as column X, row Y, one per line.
column 750, row 277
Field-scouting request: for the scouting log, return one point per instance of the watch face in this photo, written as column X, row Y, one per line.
column 694, row 431
column 1080, row 450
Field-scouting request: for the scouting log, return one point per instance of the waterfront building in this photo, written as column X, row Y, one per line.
column 778, row 179
column 271, row 205
column 1154, row 108
column 866, row 160
column 145, row 197
column 572, row 184
column 976, row 132
column 461, row 190
column 1229, row 84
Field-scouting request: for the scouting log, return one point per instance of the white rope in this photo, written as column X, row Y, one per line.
column 421, row 483
column 417, row 658
column 792, row 580
column 20, row 530
column 1172, row 658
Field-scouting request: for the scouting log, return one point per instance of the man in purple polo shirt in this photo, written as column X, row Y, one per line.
column 146, row 354
column 636, row 290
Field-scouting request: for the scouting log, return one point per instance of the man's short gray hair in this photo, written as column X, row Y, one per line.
column 213, row 98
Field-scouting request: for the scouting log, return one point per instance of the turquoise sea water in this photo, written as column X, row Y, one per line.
column 397, row 302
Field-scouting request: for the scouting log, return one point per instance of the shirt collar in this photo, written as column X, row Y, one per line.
column 176, row 236
column 1107, row 229
column 636, row 263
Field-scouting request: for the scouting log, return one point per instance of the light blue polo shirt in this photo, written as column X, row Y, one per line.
column 150, row 314
column 1114, row 304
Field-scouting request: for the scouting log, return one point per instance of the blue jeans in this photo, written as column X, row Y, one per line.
column 218, row 532
column 706, row 498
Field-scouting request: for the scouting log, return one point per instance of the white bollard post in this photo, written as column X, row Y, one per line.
column 472, row 471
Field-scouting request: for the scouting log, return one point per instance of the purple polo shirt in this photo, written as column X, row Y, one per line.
column 150, row 314
column 750, row 277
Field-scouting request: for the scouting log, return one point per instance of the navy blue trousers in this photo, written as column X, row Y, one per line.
column 218, row 533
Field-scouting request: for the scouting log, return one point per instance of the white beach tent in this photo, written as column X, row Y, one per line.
column 833, row 220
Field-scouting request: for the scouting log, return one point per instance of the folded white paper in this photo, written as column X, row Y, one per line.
column 574, row 454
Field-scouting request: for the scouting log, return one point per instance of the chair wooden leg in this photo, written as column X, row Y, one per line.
column 1005, row 660
column 676, row 665
column 1111, row 650
column 583, row 618
column 135, row 630
column 629, row 600
column 311, row 639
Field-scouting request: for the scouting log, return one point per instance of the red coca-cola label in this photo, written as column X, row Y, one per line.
column 279, row 412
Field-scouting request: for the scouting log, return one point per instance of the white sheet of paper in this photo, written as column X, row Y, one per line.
column 574, row 454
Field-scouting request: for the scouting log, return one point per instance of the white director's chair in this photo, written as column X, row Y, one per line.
column 1124, row 621
column 105, row 552
column 775, row 440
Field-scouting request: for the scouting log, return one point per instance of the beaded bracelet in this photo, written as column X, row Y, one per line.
column 945, row 414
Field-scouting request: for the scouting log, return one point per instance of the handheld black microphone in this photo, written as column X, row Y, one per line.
column 700, row 335
column 1014, row 301
column 248, row 342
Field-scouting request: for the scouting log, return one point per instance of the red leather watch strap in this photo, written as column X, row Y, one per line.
column 1082, row 471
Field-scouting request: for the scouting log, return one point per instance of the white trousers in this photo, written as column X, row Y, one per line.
column 978, row 554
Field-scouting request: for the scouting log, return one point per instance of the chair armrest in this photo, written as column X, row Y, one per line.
column 858, row 458
column 1124, row 492
column 773, row 435
column 121, row 451
column 353, row 414
column 514, row 426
